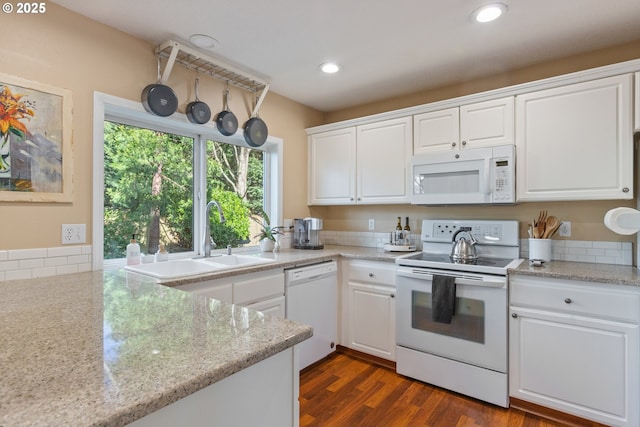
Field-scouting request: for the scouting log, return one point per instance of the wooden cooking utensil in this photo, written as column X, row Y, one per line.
column 552, row 226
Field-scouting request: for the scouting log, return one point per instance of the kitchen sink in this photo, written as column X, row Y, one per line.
column 236, row 260
column 182, row 268
column 173, row 269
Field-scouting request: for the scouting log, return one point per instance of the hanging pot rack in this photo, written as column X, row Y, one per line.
column 192, row 59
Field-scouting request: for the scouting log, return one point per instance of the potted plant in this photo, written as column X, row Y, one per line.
column 267, row 233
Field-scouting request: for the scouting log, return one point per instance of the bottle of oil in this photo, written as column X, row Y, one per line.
column 399, row 233
column 407, row 232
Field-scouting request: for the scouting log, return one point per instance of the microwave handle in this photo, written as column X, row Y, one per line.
column 488, row 163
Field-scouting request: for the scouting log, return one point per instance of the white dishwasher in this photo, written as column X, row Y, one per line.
column 312, row 298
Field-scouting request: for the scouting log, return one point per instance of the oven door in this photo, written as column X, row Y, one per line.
column 477, row 333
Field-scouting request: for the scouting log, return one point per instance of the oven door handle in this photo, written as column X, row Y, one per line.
column 459, row 280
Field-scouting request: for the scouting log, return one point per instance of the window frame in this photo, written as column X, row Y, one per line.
column 112, row 108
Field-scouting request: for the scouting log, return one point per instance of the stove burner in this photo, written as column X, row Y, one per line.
column 464, row 261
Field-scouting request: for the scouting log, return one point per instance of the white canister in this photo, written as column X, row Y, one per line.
column 540, row 249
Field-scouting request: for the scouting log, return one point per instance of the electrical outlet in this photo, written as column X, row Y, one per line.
column 565, row 229
column 74, row 233
column 372, row 224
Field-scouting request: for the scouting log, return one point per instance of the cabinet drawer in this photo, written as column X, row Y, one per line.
column 258, row 286
column 372, row 272
column 576, row 297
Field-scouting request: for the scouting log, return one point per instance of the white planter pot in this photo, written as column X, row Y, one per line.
column 266, row 245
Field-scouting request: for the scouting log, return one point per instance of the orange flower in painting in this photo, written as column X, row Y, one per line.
column 12, row 110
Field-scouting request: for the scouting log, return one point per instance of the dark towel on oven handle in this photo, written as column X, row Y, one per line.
column 443, row 298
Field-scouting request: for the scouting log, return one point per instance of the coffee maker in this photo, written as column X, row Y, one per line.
column 306, row 233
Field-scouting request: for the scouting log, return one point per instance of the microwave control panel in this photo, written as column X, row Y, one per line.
column 503, row 188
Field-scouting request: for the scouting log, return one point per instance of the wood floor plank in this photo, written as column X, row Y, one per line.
column 345, row 391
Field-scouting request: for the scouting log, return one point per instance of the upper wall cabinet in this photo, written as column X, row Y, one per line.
column 481, row 124
column 332, row 167
column 366, row 164
column 575, row 142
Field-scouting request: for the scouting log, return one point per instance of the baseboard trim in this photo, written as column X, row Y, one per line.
column 379, row 361
column 552, row 414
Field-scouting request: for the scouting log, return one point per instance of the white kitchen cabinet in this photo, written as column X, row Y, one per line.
column 220, row 289
column 270, row 307
column 637, row 102
column 575, row 347
column 262, row 291
column 369, row 308
column 367, row 164
column 332, row 167
column 575, row 142
column 482, row 124
column 263, row 394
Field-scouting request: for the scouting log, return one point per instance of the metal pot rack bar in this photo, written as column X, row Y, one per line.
column 192, row 59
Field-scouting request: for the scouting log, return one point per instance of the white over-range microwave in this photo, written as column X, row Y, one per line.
column 465, row 177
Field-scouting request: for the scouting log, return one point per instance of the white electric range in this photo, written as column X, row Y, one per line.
column 469, row 353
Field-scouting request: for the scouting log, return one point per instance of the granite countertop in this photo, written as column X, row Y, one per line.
column 602, row 273
column 107, row 348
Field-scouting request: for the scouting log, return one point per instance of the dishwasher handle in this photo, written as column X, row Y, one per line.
column 311, row 272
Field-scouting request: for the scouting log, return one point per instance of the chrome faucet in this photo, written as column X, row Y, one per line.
column 208, row 240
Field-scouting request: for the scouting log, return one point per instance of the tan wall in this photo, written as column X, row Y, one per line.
column 67, row 50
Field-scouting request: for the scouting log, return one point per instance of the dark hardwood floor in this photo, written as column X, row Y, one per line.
column 343, row 390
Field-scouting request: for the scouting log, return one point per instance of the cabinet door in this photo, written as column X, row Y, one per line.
column 436, row 131
column 575, row 142
column 271, row 307
column 582, row 366
column 332, row 167
column 219, row 289
column 383, row 153
column 372, row 320
column 487, row 124
column 260, row 286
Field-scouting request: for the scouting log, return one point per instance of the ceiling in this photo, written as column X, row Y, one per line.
column 386, row 49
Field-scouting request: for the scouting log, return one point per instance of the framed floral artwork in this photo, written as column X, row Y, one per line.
column 36, row 162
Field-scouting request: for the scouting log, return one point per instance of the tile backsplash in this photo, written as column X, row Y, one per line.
column 44, row 262
column 620, row 253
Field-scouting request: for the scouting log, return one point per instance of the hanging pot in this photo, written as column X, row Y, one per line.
column 198, row 111
column 159, row 99
column 226, row 121
column 255, row 131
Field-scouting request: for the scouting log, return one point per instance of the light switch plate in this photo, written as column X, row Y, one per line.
column 74, row 233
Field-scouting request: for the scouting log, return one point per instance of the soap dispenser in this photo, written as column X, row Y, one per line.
column 162, row 254
column 133, row 252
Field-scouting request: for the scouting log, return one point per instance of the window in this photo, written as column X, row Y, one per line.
column 153, row 177
column 148, row 190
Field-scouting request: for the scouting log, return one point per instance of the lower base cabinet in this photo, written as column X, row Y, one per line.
column 574, row 347
column 264, row 394
column 262, row 291
column 369, row 316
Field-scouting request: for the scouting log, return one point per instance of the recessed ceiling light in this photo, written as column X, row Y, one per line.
column 489, row 12
column 329, row 67
column 204, row 41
